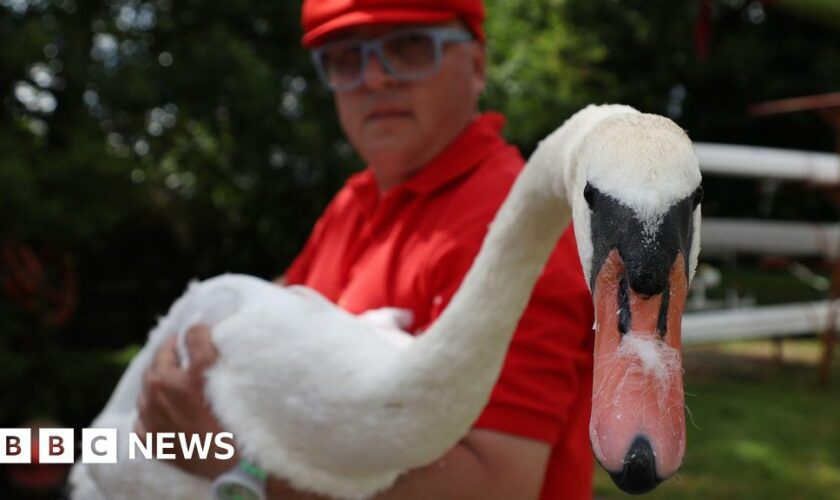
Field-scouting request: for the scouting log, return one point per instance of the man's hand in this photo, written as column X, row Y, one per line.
column 173, row 399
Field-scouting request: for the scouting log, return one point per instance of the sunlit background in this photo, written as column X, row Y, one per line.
column 145, row 143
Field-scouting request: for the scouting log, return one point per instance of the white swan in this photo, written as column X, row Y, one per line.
column 340, row 407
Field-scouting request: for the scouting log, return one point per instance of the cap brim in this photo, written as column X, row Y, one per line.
column 378, row 16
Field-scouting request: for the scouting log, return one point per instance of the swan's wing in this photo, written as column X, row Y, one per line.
column 297, row 384
column 305, row 291
column 389, row 317
column 389, row 325
column 208, row 302
column 93, row 481
column 138, row 479
column 82, row 486
column 133, row 479
column 293, row 367
column 209, row 305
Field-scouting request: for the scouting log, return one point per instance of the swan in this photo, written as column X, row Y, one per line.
column 341, row 405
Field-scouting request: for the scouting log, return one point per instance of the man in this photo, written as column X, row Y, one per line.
column 406, row 76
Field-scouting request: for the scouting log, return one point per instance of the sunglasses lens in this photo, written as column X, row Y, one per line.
column 341, row 64
column 410, row 55
column 406, row 56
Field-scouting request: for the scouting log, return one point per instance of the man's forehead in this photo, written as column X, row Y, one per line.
column 367, row 31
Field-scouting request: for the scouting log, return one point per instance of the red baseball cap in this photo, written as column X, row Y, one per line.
column 322, row 17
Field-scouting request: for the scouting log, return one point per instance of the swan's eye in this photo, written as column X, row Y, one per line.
column 589, row 194
column 698, row 196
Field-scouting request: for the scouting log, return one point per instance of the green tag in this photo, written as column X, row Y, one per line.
column 234, row 491
column 253, row 470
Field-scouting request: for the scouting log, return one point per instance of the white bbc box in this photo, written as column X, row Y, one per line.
column 55, row 446
column 15, row 446
column 99, row 446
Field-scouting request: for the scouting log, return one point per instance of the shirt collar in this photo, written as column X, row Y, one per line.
column 481, row 138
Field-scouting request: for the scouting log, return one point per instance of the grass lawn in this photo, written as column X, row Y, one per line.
column 761, row 429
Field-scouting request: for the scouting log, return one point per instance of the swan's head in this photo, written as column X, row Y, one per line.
column 637, row 219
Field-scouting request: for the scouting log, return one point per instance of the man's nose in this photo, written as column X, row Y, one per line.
column 375, row 75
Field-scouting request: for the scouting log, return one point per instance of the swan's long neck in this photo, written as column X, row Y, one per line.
column 457, row 361
column 480, row 319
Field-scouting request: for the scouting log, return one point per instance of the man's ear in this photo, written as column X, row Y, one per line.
column 479, row 62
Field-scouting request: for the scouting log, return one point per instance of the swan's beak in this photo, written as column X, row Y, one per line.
column 637, row 426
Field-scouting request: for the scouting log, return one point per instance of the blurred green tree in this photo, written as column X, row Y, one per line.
column 151, row 142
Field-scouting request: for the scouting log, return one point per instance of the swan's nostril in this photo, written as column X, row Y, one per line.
column 624, row 306
column 639, row 472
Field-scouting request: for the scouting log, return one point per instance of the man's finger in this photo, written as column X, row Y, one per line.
column 166, row 357
column 200, row 347
column 145, row 422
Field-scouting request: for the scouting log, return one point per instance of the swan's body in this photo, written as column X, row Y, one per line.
column 342, row 405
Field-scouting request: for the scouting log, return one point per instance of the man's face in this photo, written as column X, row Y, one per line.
column 398, row 126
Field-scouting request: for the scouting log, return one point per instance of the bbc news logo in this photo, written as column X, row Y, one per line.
column 100, row 446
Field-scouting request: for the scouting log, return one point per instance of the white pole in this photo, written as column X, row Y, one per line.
column 752, row 161
column 756, row 322
column 794, row 239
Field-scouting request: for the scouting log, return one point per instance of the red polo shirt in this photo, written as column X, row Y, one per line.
column 411, row 247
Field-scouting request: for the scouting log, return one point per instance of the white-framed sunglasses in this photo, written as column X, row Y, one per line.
column 407, row 55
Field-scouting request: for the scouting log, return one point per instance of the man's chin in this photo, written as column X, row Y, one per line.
column 390, row 129
column 389, row 141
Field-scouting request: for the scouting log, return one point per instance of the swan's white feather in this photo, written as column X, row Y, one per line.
column 273, row 363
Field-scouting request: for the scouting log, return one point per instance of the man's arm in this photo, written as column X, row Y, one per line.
column 485, row 465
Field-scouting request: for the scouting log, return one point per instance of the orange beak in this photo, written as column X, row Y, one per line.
column 637, row 428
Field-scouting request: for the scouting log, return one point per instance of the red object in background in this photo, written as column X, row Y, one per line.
column 43, row 283
column 703, row 30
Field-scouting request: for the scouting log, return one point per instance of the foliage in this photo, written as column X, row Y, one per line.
column 153, row 142
column 826, row 12
column 540, row 66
